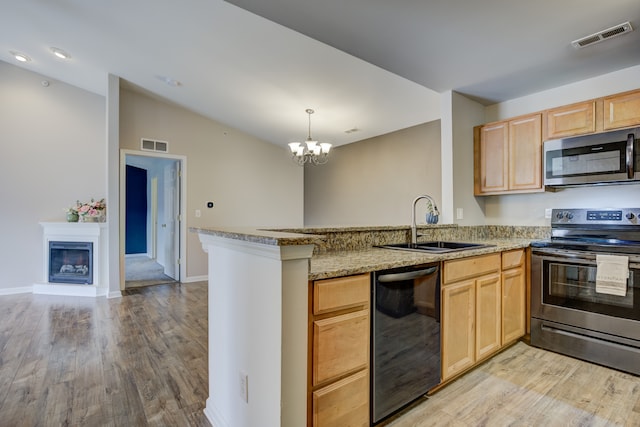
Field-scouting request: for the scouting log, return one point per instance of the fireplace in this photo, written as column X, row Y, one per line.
column 74, row 259
column 71, row 262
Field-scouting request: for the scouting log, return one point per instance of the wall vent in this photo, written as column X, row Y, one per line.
column 603, row 35
column 153, row 145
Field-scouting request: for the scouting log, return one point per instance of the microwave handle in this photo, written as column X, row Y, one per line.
column 630, row 155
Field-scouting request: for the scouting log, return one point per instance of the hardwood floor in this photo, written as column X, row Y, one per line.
column 133, row 361
column 141, row 360
column 527, row 386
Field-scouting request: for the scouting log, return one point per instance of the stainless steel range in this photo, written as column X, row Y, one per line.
column 585, row 287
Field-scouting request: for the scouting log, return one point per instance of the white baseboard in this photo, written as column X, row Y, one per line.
column 114, row 294
column 213, row 415
column 64, row 289
column 13, row 291
column 192, row 279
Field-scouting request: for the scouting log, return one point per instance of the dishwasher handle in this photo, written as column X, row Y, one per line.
column 409, row 275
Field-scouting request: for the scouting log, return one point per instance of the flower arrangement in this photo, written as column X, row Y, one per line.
column 88, row 211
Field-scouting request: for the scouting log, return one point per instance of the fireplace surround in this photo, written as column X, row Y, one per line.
column 74, row 259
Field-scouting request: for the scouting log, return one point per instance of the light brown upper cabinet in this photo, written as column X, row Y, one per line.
column 569, row 120
column 621, row 110
column 596, row 115
column 508, row 156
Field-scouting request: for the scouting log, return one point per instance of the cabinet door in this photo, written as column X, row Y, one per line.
column 488, row 316
column 574, row 119
column 513, row 304
column 340, row 345
column 525, row 153
column 622, row 110
column 343, row 403
column 458, row 315
column 493, row 157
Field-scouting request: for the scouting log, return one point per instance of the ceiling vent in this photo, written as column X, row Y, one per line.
column 152, row 145
column 603, row 35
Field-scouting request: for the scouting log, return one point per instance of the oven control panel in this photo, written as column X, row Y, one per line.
column 623, row 216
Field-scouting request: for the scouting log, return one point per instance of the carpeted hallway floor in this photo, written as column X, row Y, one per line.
column 140, row 270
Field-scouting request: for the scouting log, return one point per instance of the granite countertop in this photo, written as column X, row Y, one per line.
column 346, row 263
column 339, row 261
column 255, row 235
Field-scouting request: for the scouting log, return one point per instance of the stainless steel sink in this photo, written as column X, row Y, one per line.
column 436, row 246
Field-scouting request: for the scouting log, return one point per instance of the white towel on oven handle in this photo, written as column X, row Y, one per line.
column 612, row 272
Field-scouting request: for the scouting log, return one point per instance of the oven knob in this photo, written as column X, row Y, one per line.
column 569, row 215
column 630, row 216
column 559, row 215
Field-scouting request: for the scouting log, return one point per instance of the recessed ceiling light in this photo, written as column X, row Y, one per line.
column 60, row 53
column 169, row 81
column 20, row 56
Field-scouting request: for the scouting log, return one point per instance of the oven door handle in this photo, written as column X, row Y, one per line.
column 565, row 255
column 630, row 155
column 568, row 256
column 410, row 275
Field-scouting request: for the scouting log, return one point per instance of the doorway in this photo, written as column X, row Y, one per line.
column 152, row 220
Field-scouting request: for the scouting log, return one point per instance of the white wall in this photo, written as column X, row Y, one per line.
column 466, row 114
column 251, row 182
column 53, row 141
column 374, row 181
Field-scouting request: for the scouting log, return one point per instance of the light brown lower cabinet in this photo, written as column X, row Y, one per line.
column 488, row 316
column 470, row 312
column 339, row 329
column 458, row 315
column 514, row 288
column 483, row 308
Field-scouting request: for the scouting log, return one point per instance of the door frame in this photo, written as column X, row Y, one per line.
column 183, row 203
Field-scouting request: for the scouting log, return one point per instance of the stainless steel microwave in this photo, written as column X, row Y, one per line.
column 603, row 158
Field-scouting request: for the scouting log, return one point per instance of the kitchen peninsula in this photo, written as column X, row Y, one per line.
column 259, row 305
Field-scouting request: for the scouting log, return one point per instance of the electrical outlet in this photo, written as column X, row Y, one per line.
column 459, row 213
column 547, row 213
column 244, row 386
column 198, row 213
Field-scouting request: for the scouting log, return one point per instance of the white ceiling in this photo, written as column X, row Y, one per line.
column 259, row 75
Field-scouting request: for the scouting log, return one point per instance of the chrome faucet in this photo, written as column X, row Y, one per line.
column 414, row 232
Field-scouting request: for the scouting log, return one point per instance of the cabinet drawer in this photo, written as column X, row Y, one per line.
column 512, row 259
column 340, row 293
column 343, row 403
column 340, row 345
column 470, row 267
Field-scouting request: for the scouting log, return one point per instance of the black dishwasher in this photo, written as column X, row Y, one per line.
column 405, row 339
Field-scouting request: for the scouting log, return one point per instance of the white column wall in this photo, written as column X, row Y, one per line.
column 258, row 327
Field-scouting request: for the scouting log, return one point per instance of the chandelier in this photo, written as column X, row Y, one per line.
column 310, row 151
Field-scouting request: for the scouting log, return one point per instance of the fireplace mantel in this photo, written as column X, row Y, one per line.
column 94, row 232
